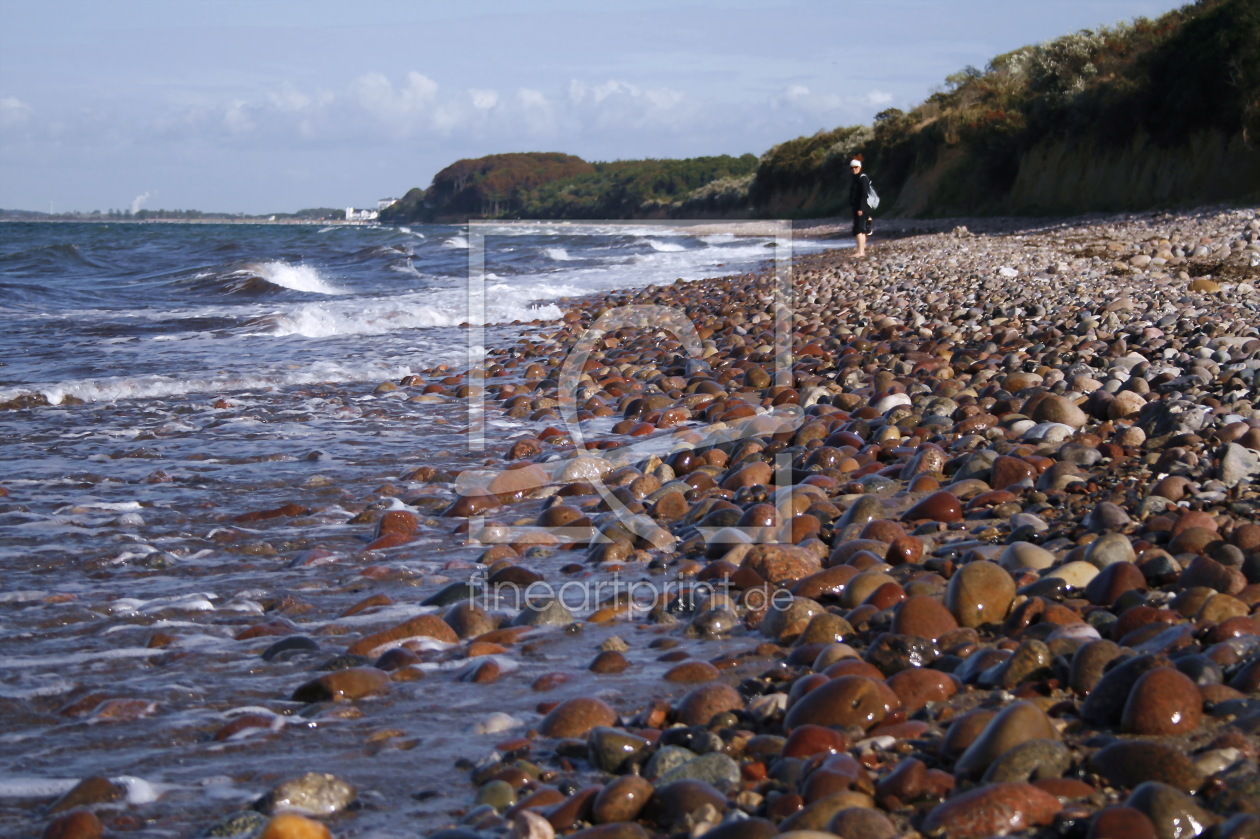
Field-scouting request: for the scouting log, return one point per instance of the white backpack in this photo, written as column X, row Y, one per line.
column 872, row 197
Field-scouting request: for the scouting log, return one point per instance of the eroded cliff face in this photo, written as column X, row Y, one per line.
column 1064, row 177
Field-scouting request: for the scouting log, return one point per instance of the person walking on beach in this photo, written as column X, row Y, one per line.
column 858, row 189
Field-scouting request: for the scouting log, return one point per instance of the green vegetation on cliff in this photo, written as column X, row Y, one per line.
column 1142, row 114
column 1146, row 114
column 552, row 185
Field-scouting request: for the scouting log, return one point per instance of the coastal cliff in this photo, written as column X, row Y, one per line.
column 1151, row 114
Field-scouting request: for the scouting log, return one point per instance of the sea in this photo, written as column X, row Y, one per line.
column 164, row 389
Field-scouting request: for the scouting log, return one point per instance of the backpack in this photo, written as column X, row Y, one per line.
column 872, row 197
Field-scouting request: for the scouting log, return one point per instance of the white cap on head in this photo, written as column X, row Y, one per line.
column 855, row 162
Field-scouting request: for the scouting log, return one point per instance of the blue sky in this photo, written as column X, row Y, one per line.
column 274, row 105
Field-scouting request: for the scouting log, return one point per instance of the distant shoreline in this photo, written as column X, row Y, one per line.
column 309, row 222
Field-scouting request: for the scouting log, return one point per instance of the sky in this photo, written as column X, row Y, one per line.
column 260, row 106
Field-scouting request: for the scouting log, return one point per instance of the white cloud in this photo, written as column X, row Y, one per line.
column 14, row 113
column 878, row 98
column 237, row 119
column 483, row 100
column 800, row 98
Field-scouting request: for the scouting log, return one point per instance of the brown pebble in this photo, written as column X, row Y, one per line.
column 1017, row 723
column 609, row 661
column 422, row 626
column 576, row 717
column 1163, row 701
column 94, row 789
column 980, row 593
column 621, row 800
column 692, row 671
column 992, row 809
column 703, row 703
column 1120, row 822
column 344, row 685
column 923, row 617
column 941, row 506
column 81, row 824
column 842, row 701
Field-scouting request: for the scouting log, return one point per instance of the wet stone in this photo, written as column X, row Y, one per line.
column 703, row 703
column 1174, row 814
column 315, row 794
column 1120, row 822
column 990, row 810
column 924, row 617
column 1128, row 763
column 666, row 759
column 673, row 806
column 979, row 593
column 90, row 791
column 1031, row 760
column 843, row 701
column 621, row 800
column 1163, row 701
column 80, row 824
column 613, row 750
column 714, row 768
column 344, row 686
column 862, row 823
column 1016, row 724
column 576, row 717
column 294, row 826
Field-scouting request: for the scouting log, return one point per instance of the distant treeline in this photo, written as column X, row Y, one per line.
column 1150, row 113
column 553, row 185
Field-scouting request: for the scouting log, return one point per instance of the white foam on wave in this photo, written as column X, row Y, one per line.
column 665, row 247
column 117, row 388
column 456, row 242
column 558, row 254
column 77, row 658
column 296, row 277
column 501, row 303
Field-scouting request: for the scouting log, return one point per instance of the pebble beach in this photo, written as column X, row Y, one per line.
column 960, row 539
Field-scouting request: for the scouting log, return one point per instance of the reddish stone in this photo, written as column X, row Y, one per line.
column 692, row 671
column 1191, row 519
column 1209, row 573
column 808, row 740
column 1113, row 581
column 576, row 717
column 941, row 506
column 991, row 810
column 843, row 701
column 344, row 685
column 1163, row 701
column 702, row 704
column 924, row 617
column 1009, row 470
column 422, row 626
column 917, row 686
column 904, row 550
column 882, row 530
column 81, row 824
column 1120, row 822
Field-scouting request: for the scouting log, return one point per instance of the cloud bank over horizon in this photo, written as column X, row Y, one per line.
column 333, row 106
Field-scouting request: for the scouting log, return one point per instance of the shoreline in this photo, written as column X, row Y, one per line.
column 994, row 467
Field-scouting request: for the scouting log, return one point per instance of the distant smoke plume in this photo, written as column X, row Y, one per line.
column 139, row 200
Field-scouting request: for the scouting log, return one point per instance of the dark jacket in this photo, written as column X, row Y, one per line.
column 857, row 192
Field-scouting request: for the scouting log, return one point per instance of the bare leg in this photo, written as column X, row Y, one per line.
column 861, row 244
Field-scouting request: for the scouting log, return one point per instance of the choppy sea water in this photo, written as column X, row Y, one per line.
column 158, row 381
